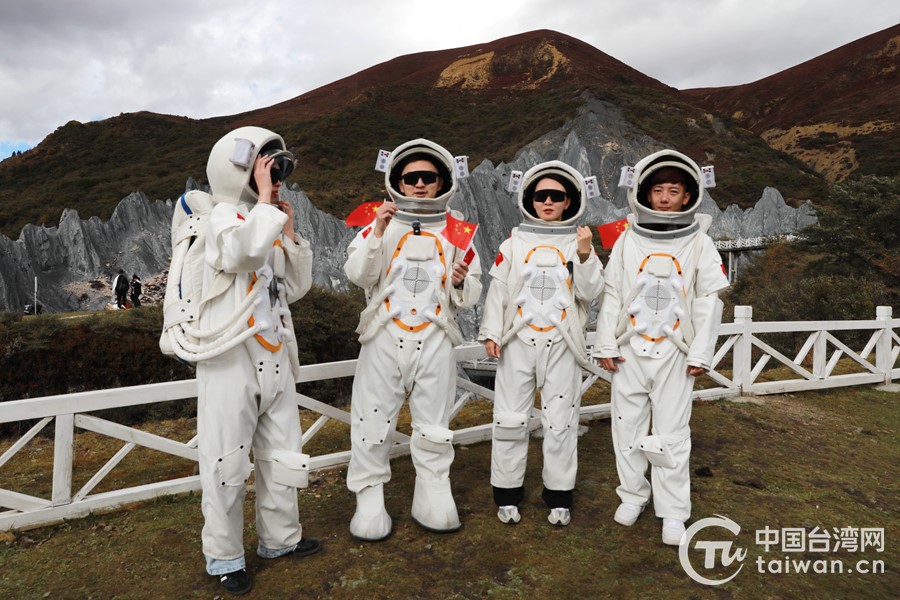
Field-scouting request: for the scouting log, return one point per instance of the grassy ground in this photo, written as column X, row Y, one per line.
column 824, row 459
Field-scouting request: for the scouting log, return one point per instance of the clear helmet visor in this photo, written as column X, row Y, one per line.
column 440, row 161
column 665, row 166
column 566, row 176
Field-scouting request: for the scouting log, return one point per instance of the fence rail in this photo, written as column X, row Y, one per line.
column 813, row 367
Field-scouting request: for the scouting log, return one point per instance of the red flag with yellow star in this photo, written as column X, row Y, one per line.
column 362, row 214
column 459, row 232
column 610, row 232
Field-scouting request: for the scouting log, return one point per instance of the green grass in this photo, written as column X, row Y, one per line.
column 825, row 459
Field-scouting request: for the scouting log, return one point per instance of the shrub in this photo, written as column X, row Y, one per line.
column 46, row 355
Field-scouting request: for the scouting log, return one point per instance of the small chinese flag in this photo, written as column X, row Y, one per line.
column 610, row 232
column 459, row 232
column 362, row 214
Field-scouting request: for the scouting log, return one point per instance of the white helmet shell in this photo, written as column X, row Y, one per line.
column 230, row 165
column 568, row 176
column 643, row 175
column 421, row 149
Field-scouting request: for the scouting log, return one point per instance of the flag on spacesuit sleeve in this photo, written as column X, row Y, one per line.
column 610, row 232
column 362, row 214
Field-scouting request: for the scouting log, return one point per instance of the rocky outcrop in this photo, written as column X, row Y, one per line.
column 135, row 239
column 74, row 263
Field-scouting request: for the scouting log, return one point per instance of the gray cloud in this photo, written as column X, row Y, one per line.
column 94, row 59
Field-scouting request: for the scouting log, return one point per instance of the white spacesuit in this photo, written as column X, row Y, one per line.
column 241, row 337
column 407, row 332
column 536, row 309
column 661, row 314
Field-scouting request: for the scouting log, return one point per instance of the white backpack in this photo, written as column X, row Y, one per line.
column 181, row 336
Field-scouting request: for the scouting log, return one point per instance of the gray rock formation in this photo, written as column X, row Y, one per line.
column 597, row 141
column 136, row 239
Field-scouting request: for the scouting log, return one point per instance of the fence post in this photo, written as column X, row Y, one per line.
column 743, row 347
column 883, row 355
column 64, row 441
column 820, row 355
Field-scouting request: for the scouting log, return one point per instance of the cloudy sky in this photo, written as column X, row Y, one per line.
column 93, row 59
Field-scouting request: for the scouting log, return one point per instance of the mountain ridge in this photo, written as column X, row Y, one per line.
column 846, row 122
column 420, row 68
column 530, row 83
column 74, row 262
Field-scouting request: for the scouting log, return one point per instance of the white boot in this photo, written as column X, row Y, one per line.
column 672, row 532
column 559, row 516
column 627, row 514
column 509, row 514
column 433, row 507
column 371, row 521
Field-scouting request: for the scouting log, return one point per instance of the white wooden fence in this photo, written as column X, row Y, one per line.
column 740, row 340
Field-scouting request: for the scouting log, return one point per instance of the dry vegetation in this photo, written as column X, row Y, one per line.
column 813, row 460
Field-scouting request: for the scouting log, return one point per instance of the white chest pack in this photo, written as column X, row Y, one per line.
column 659, row 305
column 418, row 271
column 546, row 292
column 270, row 306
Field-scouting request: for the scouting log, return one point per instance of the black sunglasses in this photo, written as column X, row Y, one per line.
column 413, row 177
column 554, row 195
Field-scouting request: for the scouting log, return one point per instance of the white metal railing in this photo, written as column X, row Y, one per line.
column 740, row 340
column 754, row 243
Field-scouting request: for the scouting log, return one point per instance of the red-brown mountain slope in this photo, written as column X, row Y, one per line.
column 540, row 59
column 838, row 112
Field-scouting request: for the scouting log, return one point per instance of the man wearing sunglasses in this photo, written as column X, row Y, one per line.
column 415, row 280
column 542, row 284
column 252, row 264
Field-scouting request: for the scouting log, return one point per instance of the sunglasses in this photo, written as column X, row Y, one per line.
column 554, row 195
column 413, row 177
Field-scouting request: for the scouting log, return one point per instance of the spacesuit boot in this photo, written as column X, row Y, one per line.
column 371, row 521
column 433, row 506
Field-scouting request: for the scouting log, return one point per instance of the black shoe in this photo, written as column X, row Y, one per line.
column 306, row 547
column 237, row 582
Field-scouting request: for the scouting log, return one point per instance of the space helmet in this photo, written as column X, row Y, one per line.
column 570, row 179
column 421, row 149
column 644, row 175
column 230, row 165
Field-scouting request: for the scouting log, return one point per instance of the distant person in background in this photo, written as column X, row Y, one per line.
column 120, row 289
column 542, row 284
column 656, row 332
column 135, row 291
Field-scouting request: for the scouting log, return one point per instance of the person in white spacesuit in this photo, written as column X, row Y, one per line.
column 255, row 265
column 657, row 331
column 542, row 283
column 415, row 280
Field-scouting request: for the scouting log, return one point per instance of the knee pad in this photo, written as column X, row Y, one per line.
column 658, row 449
column 433, row 438
column 510, row 426
column 233, row 468
column 561, row 412
column 375, row 426
column 287, row 467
